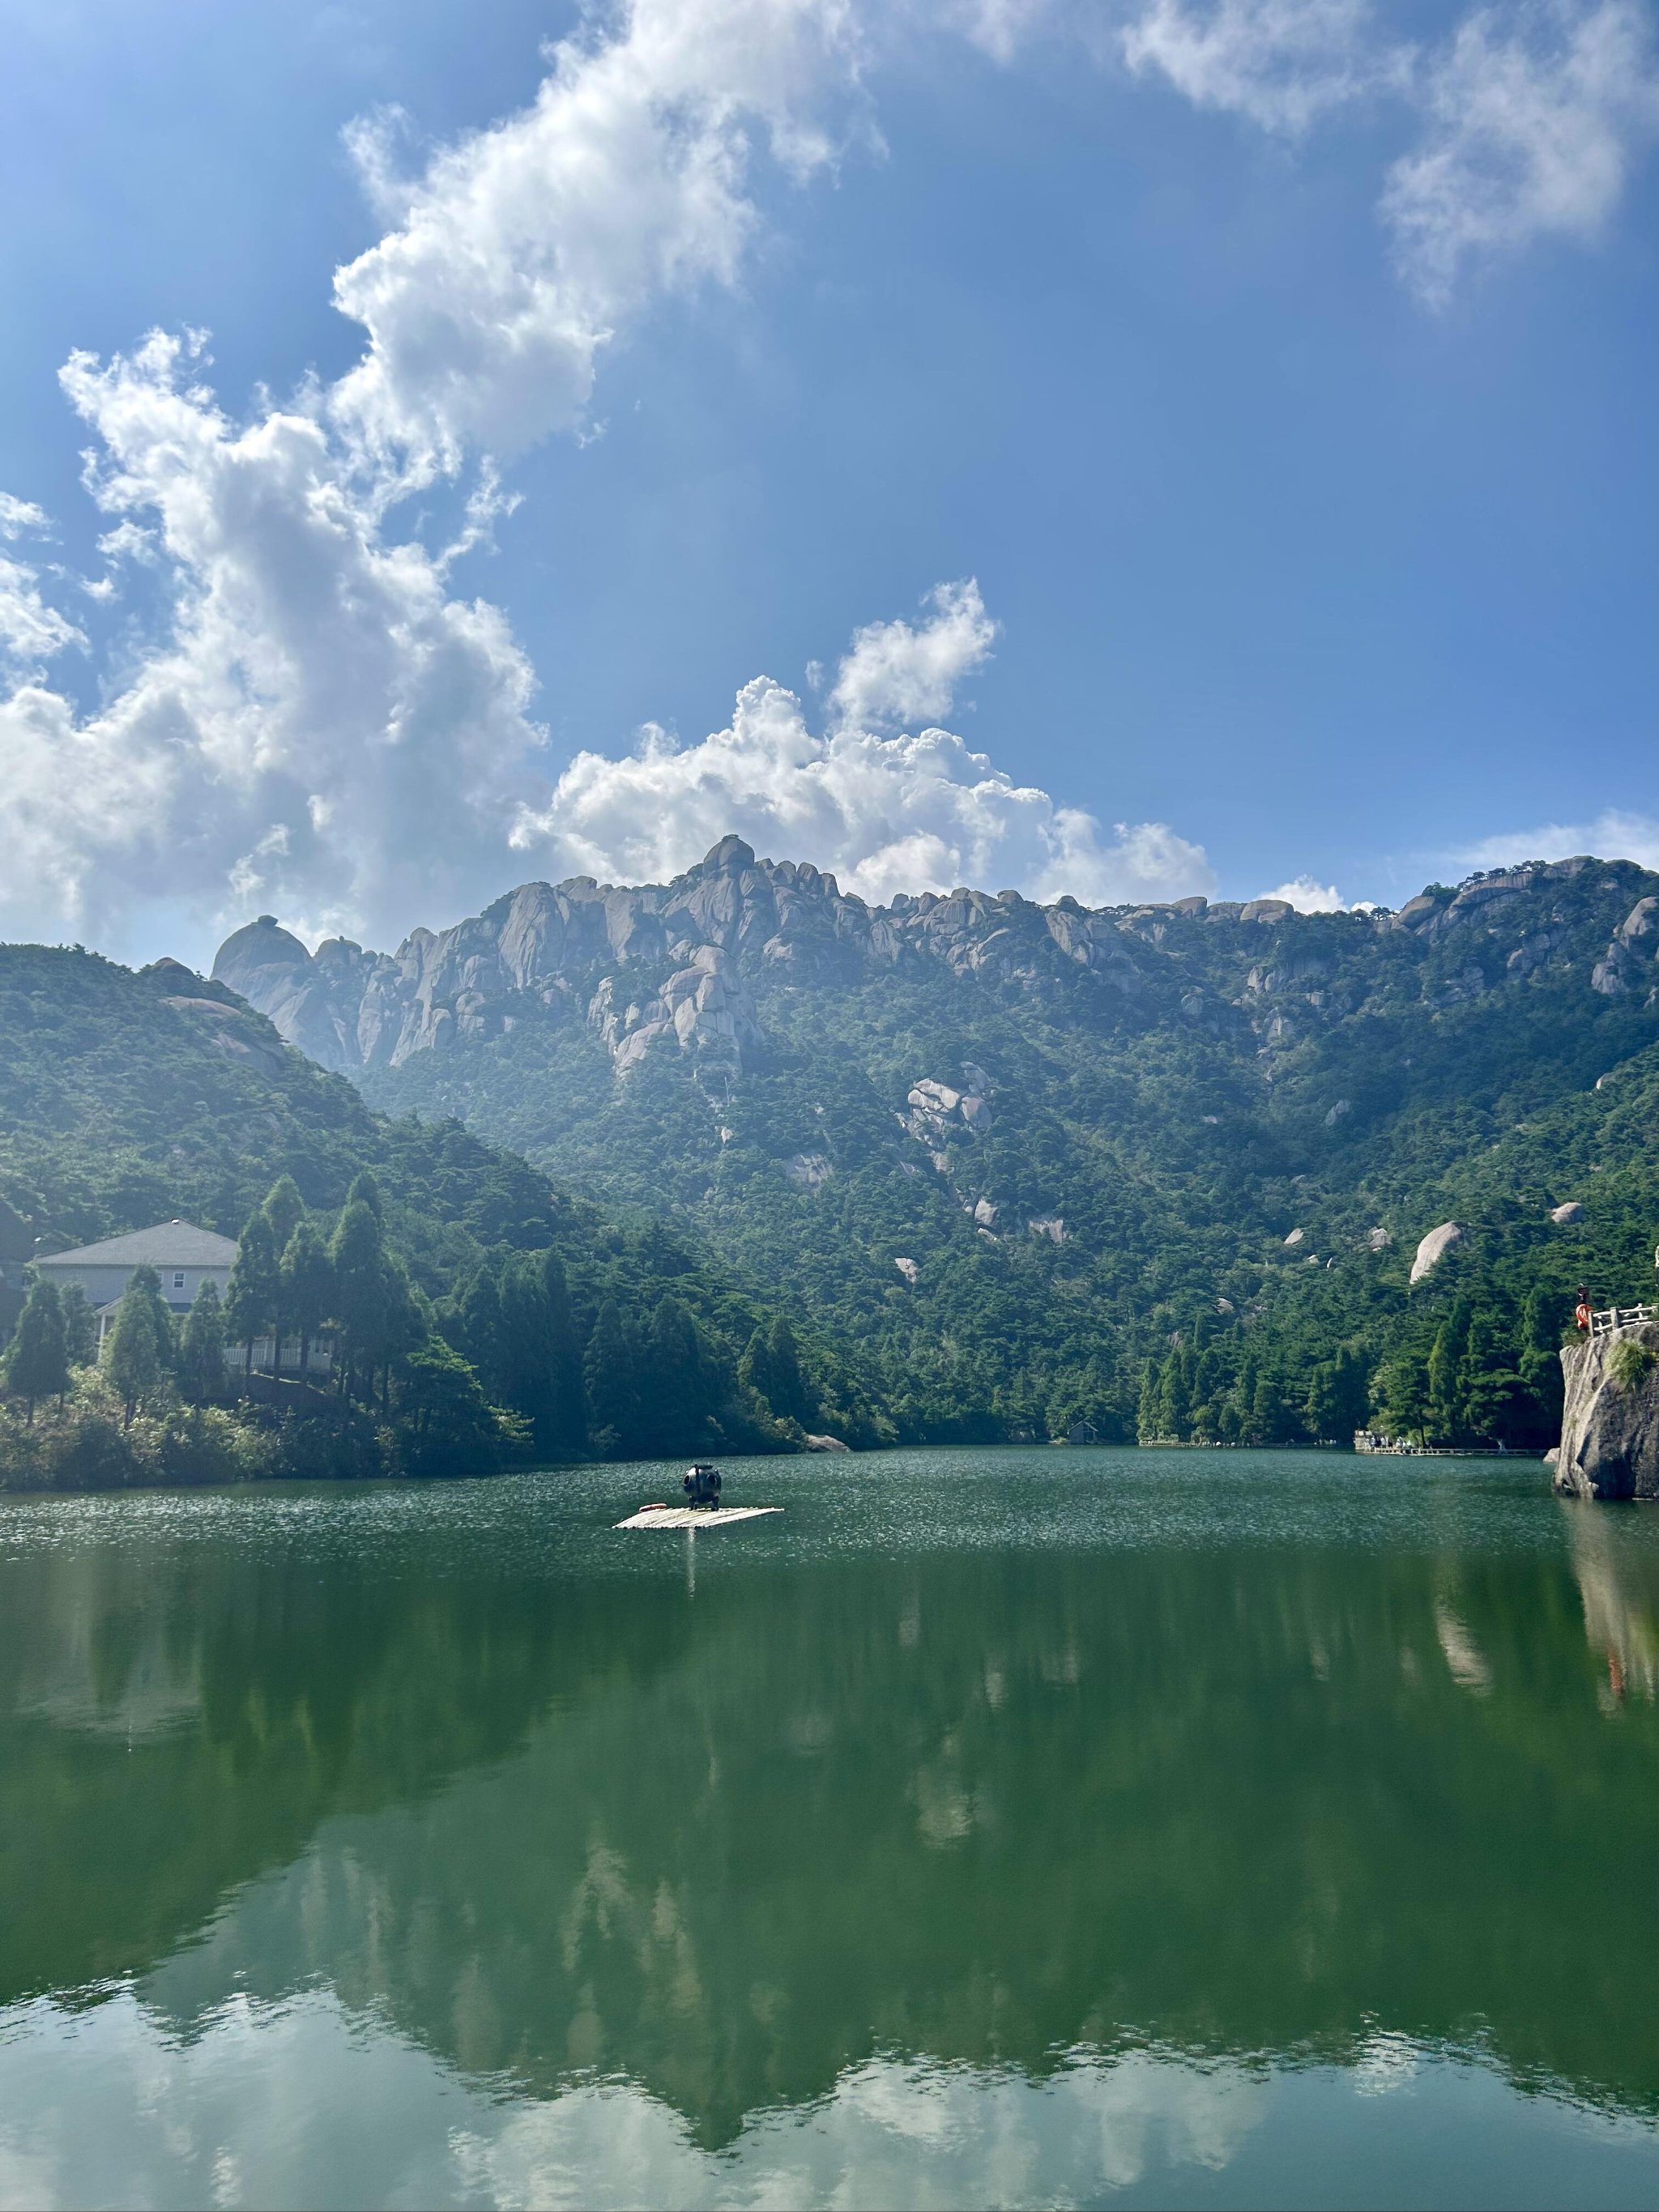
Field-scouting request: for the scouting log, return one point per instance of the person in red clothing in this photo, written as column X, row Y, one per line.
column 1582, row 1316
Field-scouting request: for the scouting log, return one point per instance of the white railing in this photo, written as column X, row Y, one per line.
column 1607, row 1323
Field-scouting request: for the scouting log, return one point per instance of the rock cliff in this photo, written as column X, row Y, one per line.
column 676, row 967
column 663, row 964
column 1610, row 1425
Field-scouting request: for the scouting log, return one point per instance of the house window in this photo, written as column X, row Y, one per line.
column 179, row 1280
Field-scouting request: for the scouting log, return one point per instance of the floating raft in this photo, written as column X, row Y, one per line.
column 694, row 1517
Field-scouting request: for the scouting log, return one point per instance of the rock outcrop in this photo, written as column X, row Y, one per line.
column 1434, row 1247
column 1610, row 1423
column 684, row 967
column 662, row 966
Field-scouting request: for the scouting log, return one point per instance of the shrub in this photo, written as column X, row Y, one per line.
column 1629, row 1362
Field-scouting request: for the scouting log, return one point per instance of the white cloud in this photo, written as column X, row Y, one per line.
column 1532, row 111
column 1308, row 897
column 1534, row 118
column 522, row 251
column 1282, row 64
column 319, row 707
column 32, row 632
column 996, row 26
column 322, row 725
column 895, row 673
column 20, row 515
column 885, row 813
column 1613, row 835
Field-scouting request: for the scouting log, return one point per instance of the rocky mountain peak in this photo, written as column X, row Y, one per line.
column 675, row 967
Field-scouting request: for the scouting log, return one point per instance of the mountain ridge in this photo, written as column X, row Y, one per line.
column 1014, row 1153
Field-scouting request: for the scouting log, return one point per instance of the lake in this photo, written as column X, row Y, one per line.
column 1003, row 1828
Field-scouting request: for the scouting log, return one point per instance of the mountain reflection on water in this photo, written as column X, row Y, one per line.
column 978, row 1793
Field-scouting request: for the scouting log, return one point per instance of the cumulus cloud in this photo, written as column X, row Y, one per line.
column 895, row 673
column 519, row 253
column 1282, row 64
column 887, row 813
column 318, row 693
column 32, row 631
column 1534, row 119
column 1613, row 835
column 1308, row 895
column 323, row 723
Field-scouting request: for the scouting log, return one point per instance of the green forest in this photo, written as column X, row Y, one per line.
column 1183, row 1208
column 480, row 1318
column 1191, row 1210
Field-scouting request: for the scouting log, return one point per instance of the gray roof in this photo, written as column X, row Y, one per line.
column 169, row 1244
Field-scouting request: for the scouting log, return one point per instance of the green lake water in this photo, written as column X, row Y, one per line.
column 991, row 1827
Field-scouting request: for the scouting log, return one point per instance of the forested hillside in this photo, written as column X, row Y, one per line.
column 1163, row 1169
column 127, row 1099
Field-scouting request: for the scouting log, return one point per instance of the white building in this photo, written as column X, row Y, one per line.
column 183, row 1255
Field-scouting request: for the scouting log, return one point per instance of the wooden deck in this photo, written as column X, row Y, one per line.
column 694, row 1517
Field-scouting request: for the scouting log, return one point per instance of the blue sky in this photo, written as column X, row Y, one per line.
column 1281, row 373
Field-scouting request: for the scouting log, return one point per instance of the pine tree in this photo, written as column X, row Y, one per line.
column 1146, row 1413
column 1443, row 1394
column 254, row 1296
column 285, row 1210
column 1269, row 1421
column 140, row 1348
column 37, row 1363
column 362, row 1296
column 201, row 1347
column 365, row 1191
column 1538, row 1357
column 308, row 1294
column 80, row 1326
column 770, row 1365
column 677, row 1409
column 1323, row 1411
column 568, row 1394
column 456, row 1430
column 481, row 1321
column 1173, row 1398
column 1402, row 1396
column 610, row 1365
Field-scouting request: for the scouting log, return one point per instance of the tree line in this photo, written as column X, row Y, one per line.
column 1481, row 1370
column 505, row 1367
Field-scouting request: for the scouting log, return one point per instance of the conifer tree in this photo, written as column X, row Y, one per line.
column 284, row 1209
column 677, row 1407
column 481, row 1320
column 37, row 1362
column 80, row 1326
column 1323, row 1412
column 1444, row 1355
column 610, row 1366
column 1538, row 1355
column 365, row 1191
column 1174, row 1402
column 570, row 1389
column 362, row 1292
column 140, row 1348
column 253, row 1301
column 770, row 1365
column 308, row 1294
column 1269, row 1423
column 202, row 1346
column 1402, row 1396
